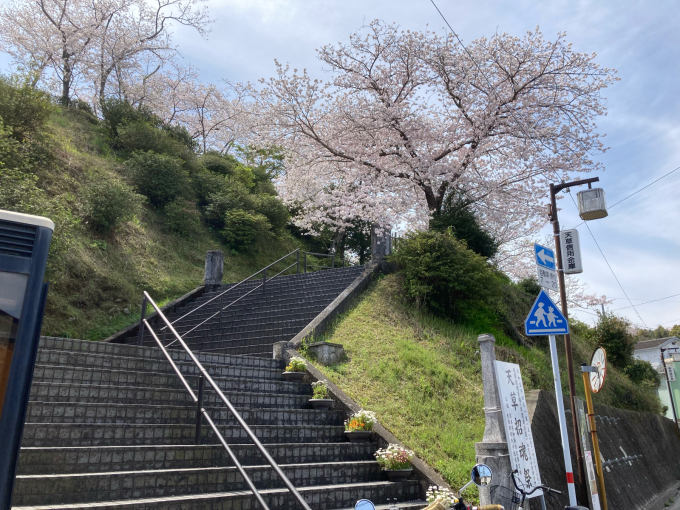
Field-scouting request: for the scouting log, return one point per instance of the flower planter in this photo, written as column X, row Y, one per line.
column 321, row 403
column 294, row 376
column 358, row 436
column 398, row 475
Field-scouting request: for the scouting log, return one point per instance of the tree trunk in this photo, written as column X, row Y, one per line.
column 66, row 79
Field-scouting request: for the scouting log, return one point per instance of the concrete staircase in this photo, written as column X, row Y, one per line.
column 264, row 316
column 110, row 425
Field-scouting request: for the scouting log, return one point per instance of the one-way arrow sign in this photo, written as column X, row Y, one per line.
column 544, row 256
column 545, row 318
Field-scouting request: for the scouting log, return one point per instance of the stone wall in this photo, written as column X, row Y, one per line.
column 646, row 445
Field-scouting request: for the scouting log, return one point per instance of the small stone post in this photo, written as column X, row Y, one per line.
column 214, row 268
column 381, row 241
column 493, row 450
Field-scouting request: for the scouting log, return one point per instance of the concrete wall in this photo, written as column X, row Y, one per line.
column 642, row 483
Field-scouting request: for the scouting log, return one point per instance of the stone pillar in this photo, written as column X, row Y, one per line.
column 214, row 268
column 493, row 450
column 381, row 241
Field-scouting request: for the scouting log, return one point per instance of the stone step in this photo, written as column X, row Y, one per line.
column 94, row 393
column 108, row 350
column 92, row 459
column 329, row 497
column 104, row 376
column 138, row 364
column 68, row 412
column 118, row 434
column 119, row 485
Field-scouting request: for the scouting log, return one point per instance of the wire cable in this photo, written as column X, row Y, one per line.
column 609, row 265
column 647, row 302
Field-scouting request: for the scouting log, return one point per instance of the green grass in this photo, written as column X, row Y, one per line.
column 418, row 373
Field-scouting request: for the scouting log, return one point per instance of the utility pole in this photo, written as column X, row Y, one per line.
column 554, row 189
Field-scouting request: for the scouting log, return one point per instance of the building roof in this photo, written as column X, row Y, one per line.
column 656, row 342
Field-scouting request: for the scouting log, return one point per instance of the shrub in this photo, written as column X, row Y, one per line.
column 158, row 177
column 456, row 214
column 363, row 420
column 611, row 332
column 217, row 163
column 643, row 373
column 296, row 364
column 182, row 218
column 142, row 136
column 23, row 108
column 204, row 185
column 117, row 113
column 320, row 390
column 242, row 228
column 109, row 203
column 442, row 274
column 274, row 210
column 229, row 196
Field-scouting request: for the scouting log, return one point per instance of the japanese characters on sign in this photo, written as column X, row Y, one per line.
column 670, row 374
column 517, row 426
column 571, row 252
column 547, row 278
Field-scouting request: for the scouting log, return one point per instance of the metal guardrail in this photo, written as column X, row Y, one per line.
column 201, row 412
column 323, row 255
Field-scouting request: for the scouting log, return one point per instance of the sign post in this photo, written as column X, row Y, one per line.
column 545, row 268
column 545, row 318
column 517, row 425
column 593, row 379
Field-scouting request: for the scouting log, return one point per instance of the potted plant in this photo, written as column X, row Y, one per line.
column 320, row 398
column 359, row 426
column 295, row 371
column 444, row 497
column 395, row 460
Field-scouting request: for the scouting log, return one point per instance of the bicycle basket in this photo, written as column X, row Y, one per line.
column 501, row 495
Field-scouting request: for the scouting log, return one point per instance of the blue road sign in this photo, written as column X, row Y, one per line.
column 545, row 257
column 545, row 318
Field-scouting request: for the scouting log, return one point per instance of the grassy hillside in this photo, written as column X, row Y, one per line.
column 97, row 278
column 422, row 376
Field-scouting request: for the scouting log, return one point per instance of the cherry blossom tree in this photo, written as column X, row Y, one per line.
column 408, row 117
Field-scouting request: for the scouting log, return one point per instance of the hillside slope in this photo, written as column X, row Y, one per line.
column 97, row 278
column 422, row 375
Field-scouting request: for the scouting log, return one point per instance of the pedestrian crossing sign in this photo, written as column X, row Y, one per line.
column 545, row 318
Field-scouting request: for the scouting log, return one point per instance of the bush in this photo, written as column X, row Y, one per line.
column 229, row 196
column 456, row 214
column 274, row 210
column 142, row 136
column 182, row 218
column 242, row 228
column 117, row 113
column 611, row 332
column 643, row 373
column 23, row 108
column 441, row 274
column 158, row 177
column 109, row 203
column 218, row 163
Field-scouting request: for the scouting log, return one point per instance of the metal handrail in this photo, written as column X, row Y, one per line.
column 264, row 269
column 289, row 485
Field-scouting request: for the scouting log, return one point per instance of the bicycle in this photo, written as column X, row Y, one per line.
column 520, row 495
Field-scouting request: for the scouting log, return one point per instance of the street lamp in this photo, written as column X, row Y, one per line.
column 591, row 206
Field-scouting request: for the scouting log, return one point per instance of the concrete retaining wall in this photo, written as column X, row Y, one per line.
column 645, row 482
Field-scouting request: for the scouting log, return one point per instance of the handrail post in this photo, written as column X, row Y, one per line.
column 333, row 261
column 264, row 282
column 199, row 407
column 305, row 262
column 297, row 271
column 140, row 333
column 221, row 309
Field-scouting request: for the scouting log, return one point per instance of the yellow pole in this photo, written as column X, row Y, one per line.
column 596, row 444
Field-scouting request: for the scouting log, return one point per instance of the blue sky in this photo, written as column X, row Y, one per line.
column 640, row 39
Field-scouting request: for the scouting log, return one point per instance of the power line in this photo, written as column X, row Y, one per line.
column 609, row 265
column 647, row 302
column 636, row 192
